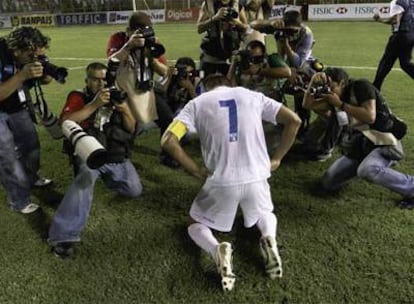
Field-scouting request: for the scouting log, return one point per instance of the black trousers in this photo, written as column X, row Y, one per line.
column 400, row 45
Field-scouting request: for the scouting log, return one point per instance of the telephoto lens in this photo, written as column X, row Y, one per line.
column 85, row 146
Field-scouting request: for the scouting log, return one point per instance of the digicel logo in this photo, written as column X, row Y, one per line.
column 341, row 10
column 384, row 10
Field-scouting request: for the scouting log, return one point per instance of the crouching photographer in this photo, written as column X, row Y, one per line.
column 180, row 84
column 19, row 142
column 111, row 123
column 371, row 141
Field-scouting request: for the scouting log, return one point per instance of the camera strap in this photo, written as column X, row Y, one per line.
column 40, row 106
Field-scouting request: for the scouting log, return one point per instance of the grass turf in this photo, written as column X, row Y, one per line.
column 352, row 247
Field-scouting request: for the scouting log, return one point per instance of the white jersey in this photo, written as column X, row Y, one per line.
column 229, row 124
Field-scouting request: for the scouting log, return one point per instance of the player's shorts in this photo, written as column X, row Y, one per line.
column 216, row 206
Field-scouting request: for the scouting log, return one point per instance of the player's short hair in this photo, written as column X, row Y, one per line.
column 25, row 38
column 215, row 80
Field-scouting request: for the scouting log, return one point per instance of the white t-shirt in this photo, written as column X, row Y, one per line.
column 229, row 124
column 395, row 9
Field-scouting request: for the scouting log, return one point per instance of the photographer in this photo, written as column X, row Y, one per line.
column 223, row 31
column 179, row 86
column 19, row 142
column 371, row 140
column 254, row 69
column 140, row 56
column 113, row 125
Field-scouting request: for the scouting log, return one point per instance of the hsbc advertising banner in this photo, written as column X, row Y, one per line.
column 348, row 11
column 189, row 14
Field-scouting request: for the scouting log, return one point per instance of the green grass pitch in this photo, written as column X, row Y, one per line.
column 353, row 247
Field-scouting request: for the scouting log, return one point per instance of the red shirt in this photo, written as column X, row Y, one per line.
column 117, row 41
column 75, row 102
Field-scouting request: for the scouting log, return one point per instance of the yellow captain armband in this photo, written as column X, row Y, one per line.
column 177, row 128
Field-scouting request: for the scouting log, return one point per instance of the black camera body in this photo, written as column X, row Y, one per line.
column 148, row 34
column 231, row 14
column 58, row 73
column 319, row 89
column 116, row 96
column 183, row 73
column 284, row 33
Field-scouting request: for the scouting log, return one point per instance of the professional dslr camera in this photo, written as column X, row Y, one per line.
column 245, row 59
column 318, row 89
column 116, row 96
column 183, row 73
column 279, row 33
column 231, row 14
column 58, row 73
column 148, row 34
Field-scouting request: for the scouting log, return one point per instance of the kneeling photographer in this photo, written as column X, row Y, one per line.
column 19, row 141
column 370, row 143
column 180, row 84
column 107, row 118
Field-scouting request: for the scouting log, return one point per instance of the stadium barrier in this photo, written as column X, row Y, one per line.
column 361, row 11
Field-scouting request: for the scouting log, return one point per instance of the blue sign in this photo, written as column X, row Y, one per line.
column 82, row 18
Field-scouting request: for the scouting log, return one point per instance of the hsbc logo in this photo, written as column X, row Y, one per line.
column 341, row 10
column 384, row 10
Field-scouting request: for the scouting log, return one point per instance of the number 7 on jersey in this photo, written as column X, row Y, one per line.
column 233, row 125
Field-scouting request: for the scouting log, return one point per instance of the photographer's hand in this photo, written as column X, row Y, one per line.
column 134, row 42
column 189, row 86
column 102, row 97
column 220, row 15
column 32, row 70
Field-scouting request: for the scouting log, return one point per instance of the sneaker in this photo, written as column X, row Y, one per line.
column 30, row 208
column 42, row 182
column 407, row 203
column 224, row 265
column 64, row 250
column 324, row 156
column 270, row 253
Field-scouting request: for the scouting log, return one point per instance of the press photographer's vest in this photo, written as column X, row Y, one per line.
column 407, row 20
column 14, row 102
column 220, row 43
column 114, row 138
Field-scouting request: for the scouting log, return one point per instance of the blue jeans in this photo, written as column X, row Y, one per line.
column 19, row 157
column 374, row 168
column 73, row 212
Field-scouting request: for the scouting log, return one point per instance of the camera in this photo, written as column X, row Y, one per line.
column 231, row 14
column 116, row 96
column 319, row 89
column 85, row 146
column 58, row 73
column 284, row 33
column 148, row 34
column 183, row 73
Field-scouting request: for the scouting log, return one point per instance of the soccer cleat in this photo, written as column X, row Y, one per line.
column 224, row 265
column 30, row 208
column 270, row 253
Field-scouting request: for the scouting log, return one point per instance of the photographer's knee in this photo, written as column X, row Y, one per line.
column 369, row 172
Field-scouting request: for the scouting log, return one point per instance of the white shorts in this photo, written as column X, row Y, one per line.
column 216, row 206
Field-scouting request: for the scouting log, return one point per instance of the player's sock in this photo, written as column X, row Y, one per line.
column 203, row 237
column 267, row 224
